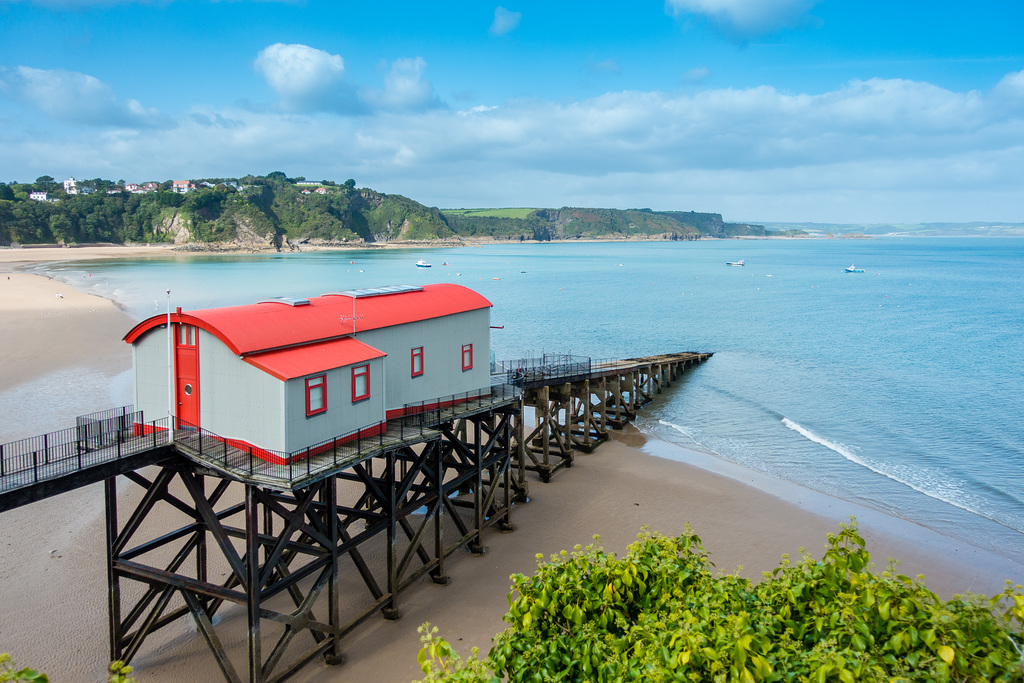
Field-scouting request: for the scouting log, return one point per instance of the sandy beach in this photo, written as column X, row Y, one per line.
column 52, row 568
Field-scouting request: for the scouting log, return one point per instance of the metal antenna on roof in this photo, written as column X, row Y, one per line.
column 353, row 317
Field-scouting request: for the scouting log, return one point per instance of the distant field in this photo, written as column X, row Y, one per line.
column 492, row 213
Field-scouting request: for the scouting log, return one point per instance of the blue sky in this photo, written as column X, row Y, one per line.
column 772, row 110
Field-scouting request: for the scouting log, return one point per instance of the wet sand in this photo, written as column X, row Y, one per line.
column 52, row 567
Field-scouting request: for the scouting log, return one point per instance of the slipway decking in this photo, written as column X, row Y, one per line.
column 310, row 544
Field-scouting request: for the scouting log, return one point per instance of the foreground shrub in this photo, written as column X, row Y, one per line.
column 660, row 614
column 10, row 672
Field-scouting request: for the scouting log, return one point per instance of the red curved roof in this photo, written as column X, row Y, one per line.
column 265, row 326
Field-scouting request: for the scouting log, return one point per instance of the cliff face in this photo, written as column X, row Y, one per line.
column 269, row 212
column 178, row 227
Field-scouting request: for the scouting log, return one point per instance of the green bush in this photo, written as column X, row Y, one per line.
column 8, row 672
column 661, row 614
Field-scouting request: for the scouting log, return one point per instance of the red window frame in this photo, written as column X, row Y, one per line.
column 187, row 335
column 417, row 355
column 357, row 372
column 467, row 357
column 312, row 384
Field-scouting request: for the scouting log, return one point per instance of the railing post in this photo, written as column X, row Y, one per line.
column 35, row 465
column 225, row 442
column 1, row 460
column 250, row 458
column 118, row 444
column 46, row 449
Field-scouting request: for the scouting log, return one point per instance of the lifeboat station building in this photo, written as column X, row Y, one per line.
column 288, row 374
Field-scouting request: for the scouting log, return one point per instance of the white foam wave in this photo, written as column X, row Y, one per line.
column 681, row 430
column 939, row 489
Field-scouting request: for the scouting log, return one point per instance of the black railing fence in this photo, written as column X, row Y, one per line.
column 415, row 421
column 95, row 439
column 548, row 367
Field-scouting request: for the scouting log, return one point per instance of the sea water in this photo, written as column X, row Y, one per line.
column 898, row 388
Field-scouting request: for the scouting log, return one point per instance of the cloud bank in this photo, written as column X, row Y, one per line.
column 871, row 150
column 73, row 97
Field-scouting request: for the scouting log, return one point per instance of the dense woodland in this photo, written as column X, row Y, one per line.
column 281, row 212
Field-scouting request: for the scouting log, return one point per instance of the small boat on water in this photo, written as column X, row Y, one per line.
column 734, row 263
column 422, row 264
column 853, row 269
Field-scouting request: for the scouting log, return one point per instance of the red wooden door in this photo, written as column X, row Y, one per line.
column 186, row 364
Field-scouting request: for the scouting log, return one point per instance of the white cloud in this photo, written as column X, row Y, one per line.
column 404, row 88
column 504, row 21
column 608, row 66
column 870, row 151
column 73, row 97
column 306, row 78
column 745, row 18
column 696, row 75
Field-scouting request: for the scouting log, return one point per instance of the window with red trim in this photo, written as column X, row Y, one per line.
column 360, row 383
column 467, row 356
column 316, row 395
column 417, row 361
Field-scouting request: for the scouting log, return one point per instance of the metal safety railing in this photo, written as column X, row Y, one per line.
column 96, row 439
column 414, row 422
column 546, row 369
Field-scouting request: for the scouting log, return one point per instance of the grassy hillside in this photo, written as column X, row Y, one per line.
column 490, row 213
column 274, row 210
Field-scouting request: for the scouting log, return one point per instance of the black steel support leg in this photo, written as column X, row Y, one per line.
column 253, row 587
column 437, row 575
column 476, row 546
column 329, row 496
column 390, row 610
column 113, row 582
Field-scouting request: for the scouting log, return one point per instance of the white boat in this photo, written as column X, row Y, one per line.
column 422, row 264
column 734, row 263
column 853, row 269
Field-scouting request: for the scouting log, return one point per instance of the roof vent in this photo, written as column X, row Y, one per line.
column 286, row 300
column 376, row 291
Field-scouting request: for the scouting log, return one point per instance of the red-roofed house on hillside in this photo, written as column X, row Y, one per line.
column 287, row 374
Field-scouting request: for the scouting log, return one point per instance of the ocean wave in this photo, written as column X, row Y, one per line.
column 681, row 430
column 938, row 487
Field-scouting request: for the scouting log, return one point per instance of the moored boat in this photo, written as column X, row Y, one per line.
column 734, row 263
column 853, row 269
column 422, row 264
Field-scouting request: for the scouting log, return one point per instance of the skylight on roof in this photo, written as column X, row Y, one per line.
column 286, row 300
column 376, row 291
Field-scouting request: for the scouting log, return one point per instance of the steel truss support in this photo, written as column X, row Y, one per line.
column 577, row 416
column 477, row 452
column 305, row 567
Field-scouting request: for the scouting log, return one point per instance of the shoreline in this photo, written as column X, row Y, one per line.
column 38, row 253
column 54, row 550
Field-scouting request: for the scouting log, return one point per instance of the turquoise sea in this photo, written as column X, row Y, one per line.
column 898, row 388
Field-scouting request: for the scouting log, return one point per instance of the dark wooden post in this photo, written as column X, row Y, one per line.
column 113, row 582
column 477, row 546
column 329, row 496
column 390, row 610
column 252, row 583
